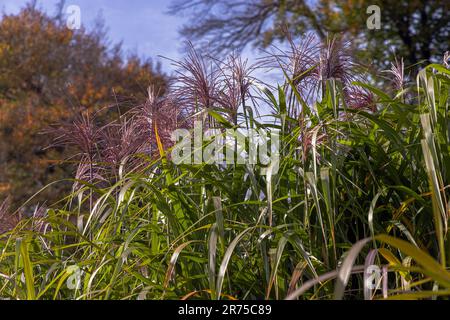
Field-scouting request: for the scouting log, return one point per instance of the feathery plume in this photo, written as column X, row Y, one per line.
column 195, row 81
column 234, row 84
column 398, row 72
column 335, row 62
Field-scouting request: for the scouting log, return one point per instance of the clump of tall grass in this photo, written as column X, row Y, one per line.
column 362, row 184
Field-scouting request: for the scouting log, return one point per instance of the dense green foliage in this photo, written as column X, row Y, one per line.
column 355, row 187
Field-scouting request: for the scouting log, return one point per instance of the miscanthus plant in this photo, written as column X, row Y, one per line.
column 358, row 208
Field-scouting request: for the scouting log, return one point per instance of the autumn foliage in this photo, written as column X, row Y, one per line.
column 47, row 74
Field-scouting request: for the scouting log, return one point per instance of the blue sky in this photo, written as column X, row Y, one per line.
column 142, row 25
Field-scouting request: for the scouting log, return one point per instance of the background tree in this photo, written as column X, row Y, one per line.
column 47, row 72
column 415, row 29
